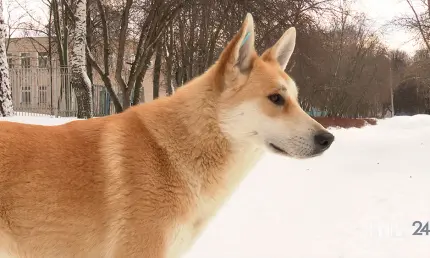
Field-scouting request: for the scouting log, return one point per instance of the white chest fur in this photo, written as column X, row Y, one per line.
column 207, row 206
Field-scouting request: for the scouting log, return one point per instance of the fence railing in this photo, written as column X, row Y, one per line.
column 48, row 92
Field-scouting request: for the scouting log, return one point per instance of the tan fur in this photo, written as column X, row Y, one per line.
column 143, row 183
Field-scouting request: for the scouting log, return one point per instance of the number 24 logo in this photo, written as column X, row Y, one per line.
column 422, row 229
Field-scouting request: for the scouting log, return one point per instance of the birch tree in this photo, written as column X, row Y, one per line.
column 6, row 107
column 80, row 81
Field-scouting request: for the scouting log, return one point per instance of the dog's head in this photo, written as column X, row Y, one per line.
column 258, row 100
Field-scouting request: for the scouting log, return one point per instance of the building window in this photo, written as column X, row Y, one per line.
column 43, row 95
column 25, row 60
column 43, row 59
column 25, row 95
column 10, row 60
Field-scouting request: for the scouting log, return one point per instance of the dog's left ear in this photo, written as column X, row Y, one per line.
column 239, row 54
column 244, row 49
column 283, row 49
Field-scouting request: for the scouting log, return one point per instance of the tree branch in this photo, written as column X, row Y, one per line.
column 418, row 21
column 121, row 47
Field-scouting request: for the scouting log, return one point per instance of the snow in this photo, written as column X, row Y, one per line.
column 358, row 200
column 40, row 120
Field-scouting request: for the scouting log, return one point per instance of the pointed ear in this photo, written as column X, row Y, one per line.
column 244, row 50
column 283, row 49
column 240, row 52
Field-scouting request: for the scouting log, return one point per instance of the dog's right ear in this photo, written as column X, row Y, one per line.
column 240, row 53
column 283, row 49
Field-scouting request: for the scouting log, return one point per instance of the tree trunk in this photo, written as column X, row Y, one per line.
column 65, row 57
column 6, row 106
column 80, row 82
column 138, row 87
column 89, row 41
column 156, row 72
column 190, row 56
column 51, row 70
column 89, row 33
column 105, row 73
column 168, row 53
column 83, row 96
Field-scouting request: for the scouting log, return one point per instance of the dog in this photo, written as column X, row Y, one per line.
column 146, row 182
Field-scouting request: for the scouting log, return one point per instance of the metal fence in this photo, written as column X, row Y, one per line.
column 48, row 92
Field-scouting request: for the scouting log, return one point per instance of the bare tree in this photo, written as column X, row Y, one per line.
column 203, row 28
column 142, row 24
column 422, row 21
column 157, row 71
column 13, row 22
column 418, row 21
column 168, row 53
column 412, row 97
column 340, row 64
column 79, row 78
column 6, row 106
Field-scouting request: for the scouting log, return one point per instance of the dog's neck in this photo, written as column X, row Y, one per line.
column 191, row 133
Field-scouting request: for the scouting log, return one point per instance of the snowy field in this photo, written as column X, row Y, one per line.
column 359, row 200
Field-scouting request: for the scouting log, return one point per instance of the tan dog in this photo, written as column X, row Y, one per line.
column 144, row 183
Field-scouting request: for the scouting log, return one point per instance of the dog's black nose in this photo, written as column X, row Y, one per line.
column 323, row 140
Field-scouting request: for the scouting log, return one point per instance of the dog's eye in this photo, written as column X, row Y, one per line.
column 277, row 99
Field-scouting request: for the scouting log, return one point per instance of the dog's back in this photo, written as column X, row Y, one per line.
column 41, row 168
column 81, row 184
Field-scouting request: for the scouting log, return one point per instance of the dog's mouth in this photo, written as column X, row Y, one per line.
column 277, row 149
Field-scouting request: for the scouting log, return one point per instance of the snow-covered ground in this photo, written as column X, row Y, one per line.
column 41, row 120
column 358, row 200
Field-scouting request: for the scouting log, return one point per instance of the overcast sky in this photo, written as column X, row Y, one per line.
column 381, row 12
